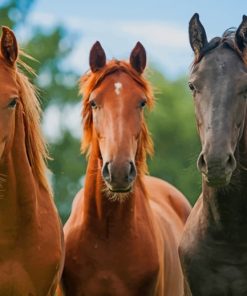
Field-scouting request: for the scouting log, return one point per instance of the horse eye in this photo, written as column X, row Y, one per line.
column 191, row 86
column 12, row 103
column 143, row 103
column 93, row 104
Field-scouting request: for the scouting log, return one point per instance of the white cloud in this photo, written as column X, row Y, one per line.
column 51, row 123
column 72, row 113
column 157, row 33
column 56, row 119
column 166, row 43
column 43, row 19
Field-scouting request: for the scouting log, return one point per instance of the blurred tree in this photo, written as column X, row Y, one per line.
column 57, row 87
column 14, row 12
column 171, row 122
column 175, row 138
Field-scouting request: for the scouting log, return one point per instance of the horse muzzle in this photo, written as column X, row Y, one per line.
column 119, row 177
column 217, row 169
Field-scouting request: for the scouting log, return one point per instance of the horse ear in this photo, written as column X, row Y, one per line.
column 9, row 47
column 241, row 34
column 197, row 35
column 138, row 58
column 97, row 57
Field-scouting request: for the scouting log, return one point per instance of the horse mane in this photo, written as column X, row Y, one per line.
column 35, row 144
column 227, row 40
column 89, row 82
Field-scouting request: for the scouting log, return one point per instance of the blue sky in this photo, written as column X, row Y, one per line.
column 160, row 25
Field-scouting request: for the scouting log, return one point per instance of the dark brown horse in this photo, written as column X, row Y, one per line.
column 123, row 233
column 213, row 249
column 31, row 246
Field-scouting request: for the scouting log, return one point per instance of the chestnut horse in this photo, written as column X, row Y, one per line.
column 214, row 245
column 31, row 240
column 122, row 235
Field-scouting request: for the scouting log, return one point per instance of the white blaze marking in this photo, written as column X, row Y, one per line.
column 118, row 87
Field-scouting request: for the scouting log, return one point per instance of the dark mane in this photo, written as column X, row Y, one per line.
column 227, row 40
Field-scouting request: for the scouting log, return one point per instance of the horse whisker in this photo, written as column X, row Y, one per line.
column 115, row 196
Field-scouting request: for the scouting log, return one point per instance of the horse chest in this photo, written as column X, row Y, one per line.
column 27, row 272
column 216, row 269
column 15, row 280
column 121, row 267
column 29, row 261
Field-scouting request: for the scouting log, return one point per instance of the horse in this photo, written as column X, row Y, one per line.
column 123, row 232
column 31, row 239
column 213, row 249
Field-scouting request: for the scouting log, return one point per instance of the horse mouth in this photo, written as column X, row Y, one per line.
column 119, row 190
column 215, row 181
column 117, row 193
column 114, row 188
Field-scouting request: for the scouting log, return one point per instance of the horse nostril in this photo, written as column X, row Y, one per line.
column 201, row 163
column 132, row 172
column 231, row 162
column 106, row 172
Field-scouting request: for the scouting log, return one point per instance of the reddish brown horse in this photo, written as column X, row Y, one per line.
column 31, row 245
column 123, row 232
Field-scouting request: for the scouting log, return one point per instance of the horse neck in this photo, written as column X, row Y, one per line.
column 110, row 217
column 19, row 189
column 226, row 209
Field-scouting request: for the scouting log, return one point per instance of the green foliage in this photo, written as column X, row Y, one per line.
column 57, row 87
column 176, row 143
column 13, row 12
column 67, row 169
column 171, row 122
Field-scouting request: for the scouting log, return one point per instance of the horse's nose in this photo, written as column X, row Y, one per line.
column 132, row 172
column 201, row 164
column 224, row 162
column 217, row 168
column 119, row 176
column 106, row 172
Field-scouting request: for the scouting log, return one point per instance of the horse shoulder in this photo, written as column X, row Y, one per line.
column 76, row 216
column 192, row 234
column 165, row 194
column 194, row 227
column 170, row 210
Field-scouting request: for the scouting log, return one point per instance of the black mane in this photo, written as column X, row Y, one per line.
column 227, row 40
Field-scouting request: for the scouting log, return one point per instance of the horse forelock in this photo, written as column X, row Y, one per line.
column 89, row 82
column 227, row 40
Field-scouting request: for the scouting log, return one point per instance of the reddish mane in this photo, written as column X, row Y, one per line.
column 35, row 144
column 90, row 81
